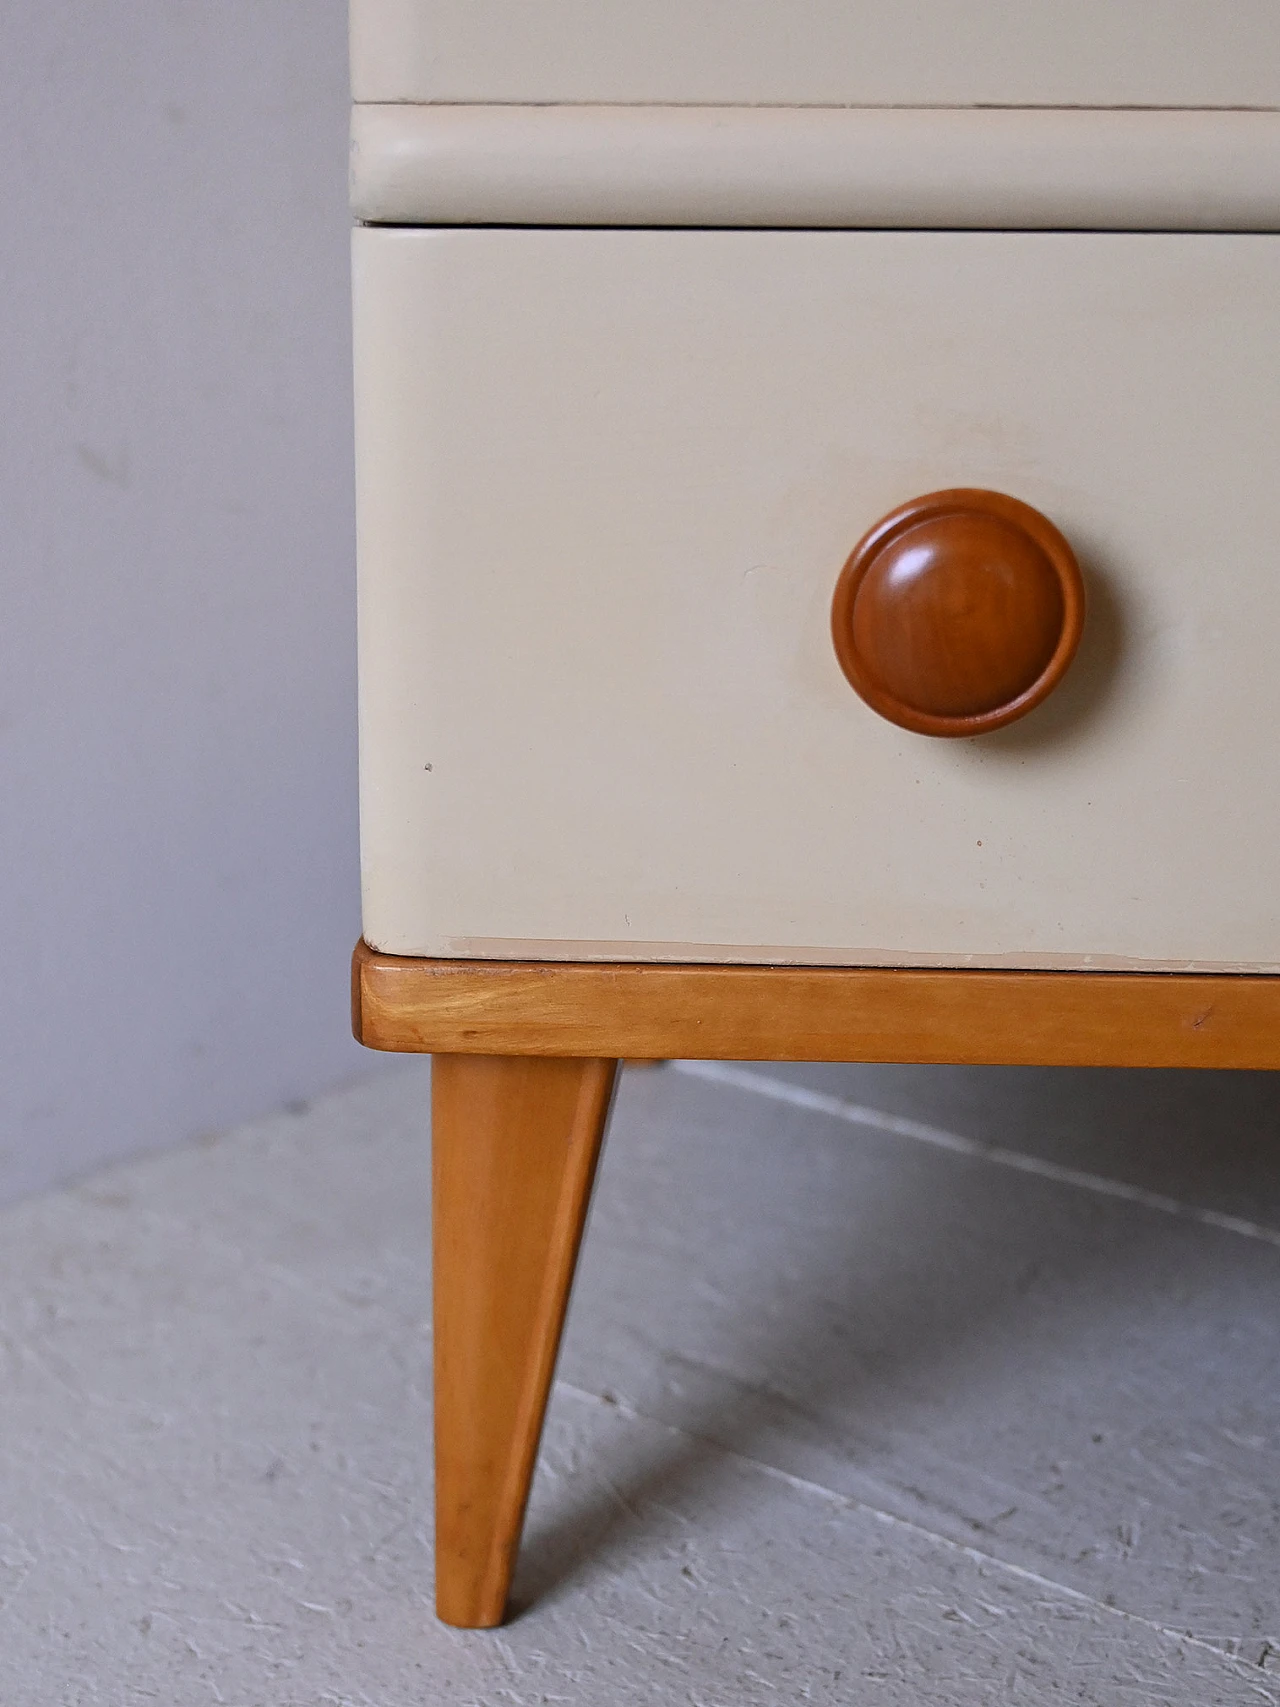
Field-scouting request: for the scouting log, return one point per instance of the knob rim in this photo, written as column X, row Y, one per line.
column 959, row 501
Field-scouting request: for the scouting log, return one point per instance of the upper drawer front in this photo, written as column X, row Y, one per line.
column 1176, row 53
column 607, row 481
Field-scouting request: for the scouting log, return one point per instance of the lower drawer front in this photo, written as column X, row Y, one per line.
column 606, row 483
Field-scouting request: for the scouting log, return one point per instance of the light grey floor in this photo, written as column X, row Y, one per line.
column 891, row 1386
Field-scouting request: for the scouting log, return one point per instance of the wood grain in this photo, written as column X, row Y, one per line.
column 1116, row 1019
column 514, row 1148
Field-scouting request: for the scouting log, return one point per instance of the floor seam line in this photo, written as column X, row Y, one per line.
column 849, row 1502
column 938, row 1138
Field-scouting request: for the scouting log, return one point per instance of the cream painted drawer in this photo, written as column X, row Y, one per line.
column 1170, row 53
column 606, row 482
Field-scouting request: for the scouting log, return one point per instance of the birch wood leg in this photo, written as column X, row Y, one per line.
column 514, row 1147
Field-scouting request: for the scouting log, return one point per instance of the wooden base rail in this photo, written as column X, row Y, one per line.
column 788, row 1013
column 525, row 1062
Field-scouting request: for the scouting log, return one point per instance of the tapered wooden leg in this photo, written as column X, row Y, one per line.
column 514, row 1147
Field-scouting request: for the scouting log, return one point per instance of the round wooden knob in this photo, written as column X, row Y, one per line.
column 958, row 612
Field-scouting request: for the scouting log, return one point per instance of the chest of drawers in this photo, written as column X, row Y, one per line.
column 658, row 313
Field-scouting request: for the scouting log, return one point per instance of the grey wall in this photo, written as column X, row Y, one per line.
column 178, row 886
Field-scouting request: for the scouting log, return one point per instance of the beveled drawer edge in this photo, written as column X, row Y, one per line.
column 817, row 167
column 779, row 1013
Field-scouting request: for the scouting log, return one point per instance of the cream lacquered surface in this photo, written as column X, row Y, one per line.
column 839, row 167
column 606, row 483
column 1175, row 53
